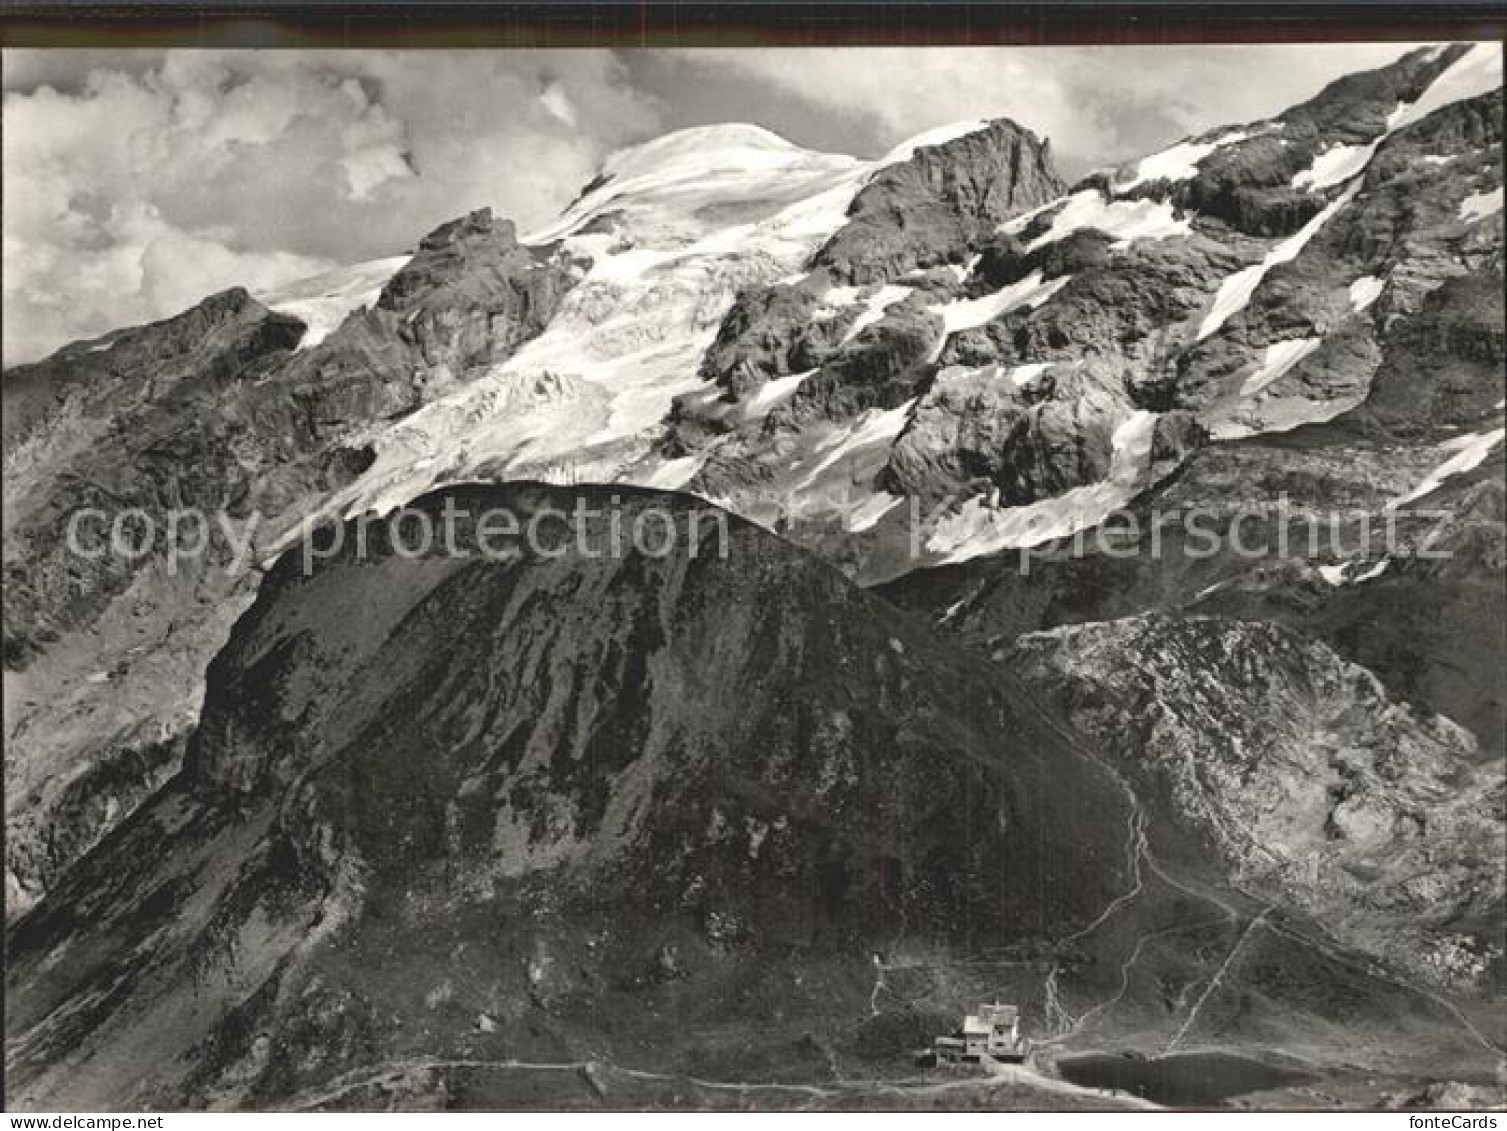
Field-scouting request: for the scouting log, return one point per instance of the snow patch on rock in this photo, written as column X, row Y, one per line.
column 979, row 528
column 874, row 429
column 880, row 301
column 1179, row 163
column 1018, row 224
column 1342, row 573
column 774, row 392
column 1364, row 291
column 1023, row 375
column 323, row 302
column 1468, row 452
column 1335, row 164
column 968, row 313
column 1280, row 357
column 1125, row 220
column 868, row 514
column 1479, row 205
column 1333, row 574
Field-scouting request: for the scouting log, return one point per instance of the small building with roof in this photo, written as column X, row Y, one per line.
column 993, row 1031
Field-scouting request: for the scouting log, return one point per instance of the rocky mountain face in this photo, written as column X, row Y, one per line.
column 1346, row 529
column 921, row 213
column 635, row 777
column 1321, row 792
column 448, row 811
column 678, row 830
column 217, row 410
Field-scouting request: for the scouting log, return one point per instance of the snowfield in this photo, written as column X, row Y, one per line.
column 1479, row 205
column 1179, row 163
column 324, row 301
column 979, row 528
column 1336, row 164
column 673, row 230
column 1364, row 291
column 1280, row 357
column 1467, row 453
column 1125, row 220
column 969, row 313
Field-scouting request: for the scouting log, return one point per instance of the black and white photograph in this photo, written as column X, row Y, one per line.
column 639, row 566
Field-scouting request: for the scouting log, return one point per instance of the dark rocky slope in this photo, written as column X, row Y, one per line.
column 423, row 829
column 214, row 410
column 560, row 779
column 1319, row 792
column 934, row 208
column 1427, row 621
column 446, row 815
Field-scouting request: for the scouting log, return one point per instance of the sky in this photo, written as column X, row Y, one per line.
column 137, row 182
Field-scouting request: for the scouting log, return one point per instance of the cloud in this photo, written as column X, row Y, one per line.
column 147, row 180
column 1098, row 105
column 558, row 103
column 135, row 182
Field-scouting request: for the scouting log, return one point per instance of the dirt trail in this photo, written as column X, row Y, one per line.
column 1224, row 968
column 995, row 1076
column 1070, row 1026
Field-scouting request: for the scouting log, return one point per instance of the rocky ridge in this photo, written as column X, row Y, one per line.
column 945, row 356
column 517, row 793
column 219, row 411
column 1320, row 791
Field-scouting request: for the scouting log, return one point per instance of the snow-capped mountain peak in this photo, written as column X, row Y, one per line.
column 615, row 778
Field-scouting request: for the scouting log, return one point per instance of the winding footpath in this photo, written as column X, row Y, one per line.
column 396, row 1072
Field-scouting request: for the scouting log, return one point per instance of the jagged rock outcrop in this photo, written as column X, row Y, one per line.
column 932, row 208
column 541, row 772
column 438, row 816
column 468, row 298
column 1249, row 186
column 1319, row 791
column 772, row 332
column 1323, row 495
column 213, row 412
column 975, row 429
column 880, row 368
